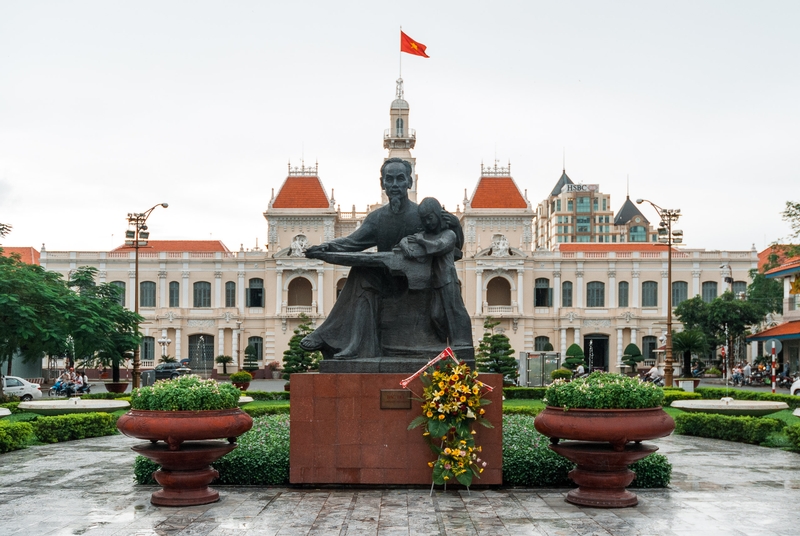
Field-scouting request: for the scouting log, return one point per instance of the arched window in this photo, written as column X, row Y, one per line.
column 680, row 292
column 121, row 286
column 202, row 294
column 739, row 287
column 300, row 292
column 258, row 344
column 230, row 294
column 595, row 294
column 399, row 127
column 147, row 351
column 340, row 286
column 566, row 294
column 649, row 346
column 649, row 294
column 255, row 293
column 540, row 342
column 623, row 293
column 638, row 234
column 543, row 294
column 498, row 291
column 201, row 354
column 709, row 291
column 174, row 294
column 147, row 294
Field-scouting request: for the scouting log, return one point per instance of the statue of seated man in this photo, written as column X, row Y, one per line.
column 378, row 314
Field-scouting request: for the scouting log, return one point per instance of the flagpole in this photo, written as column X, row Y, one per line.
column 401, row 52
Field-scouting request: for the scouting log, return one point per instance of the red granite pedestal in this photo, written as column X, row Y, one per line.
column 340, row 434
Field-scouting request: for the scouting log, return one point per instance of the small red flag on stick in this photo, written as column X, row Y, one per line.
column 409, row 46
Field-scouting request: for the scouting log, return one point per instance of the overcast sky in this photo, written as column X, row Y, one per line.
column 111, row 107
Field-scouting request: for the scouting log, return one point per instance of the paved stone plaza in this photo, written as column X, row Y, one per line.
column 86, row 488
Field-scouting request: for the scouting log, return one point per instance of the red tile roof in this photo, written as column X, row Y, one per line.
column 197, row 246
column 589, row 246
column 302, row 192
column 497, row 192
column 787, row 330
column 27, row 254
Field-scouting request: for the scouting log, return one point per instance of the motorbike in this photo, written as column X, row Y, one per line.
column 784, row 382
column 658, row 380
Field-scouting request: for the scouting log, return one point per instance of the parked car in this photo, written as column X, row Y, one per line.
column 24, row 389
column 795, row 388
column 170, row 371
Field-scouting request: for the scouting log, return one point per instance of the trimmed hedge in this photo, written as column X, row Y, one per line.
column 671, row 395
column 522, row 410
column 530, row 393
column 267, row 395
column 260, row 411
column 715, row 393
column 793, row 433
column 13, row 406
column 15, row 436
column 70, row 427
column 741, row 429
column 107, row 396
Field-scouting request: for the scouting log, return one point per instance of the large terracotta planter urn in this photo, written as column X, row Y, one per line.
column 185, row 458
column 605, row 442
column 116, row 387
column 244, row 386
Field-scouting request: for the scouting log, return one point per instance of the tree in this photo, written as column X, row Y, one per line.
column 688, row 342
column 224, row 360
column 495, row 352
column 792, row 215
column 295, row 358
column 632, row 356
column 575, row 356
column 167, row 359
column 765, row 293
column 250, row 358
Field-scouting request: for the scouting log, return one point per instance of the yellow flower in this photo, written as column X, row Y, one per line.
column 429, row 414
column 463, row 399
column 446, row 478
column 447, row 450
column 441, row 416
column 430, row 464
column 483, row 411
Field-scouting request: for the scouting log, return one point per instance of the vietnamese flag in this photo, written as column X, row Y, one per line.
column 409, row 46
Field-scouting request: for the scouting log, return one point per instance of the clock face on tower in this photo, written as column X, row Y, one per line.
column 637, row 219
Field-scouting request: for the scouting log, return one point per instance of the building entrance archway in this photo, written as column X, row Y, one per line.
column 595, row 346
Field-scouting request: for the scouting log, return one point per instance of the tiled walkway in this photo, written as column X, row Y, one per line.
column 86, row 488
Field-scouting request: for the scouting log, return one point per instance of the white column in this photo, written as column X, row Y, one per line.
column 240, row 293
column 579, row 303
column 556, row 291
column 619, row 348
column 563, row 342
column 178, row 344
column 185, row 290
column 235, row 347
column 162, row 289
column 635, row 338
column 612, row 288
column 577, row 336
column 479, row 292
column 278, row 290
column 664, row 290
column 218, row 290
column 320, row 291
column 520, row 293
column 754, row 349
column 635, row 289
column 221, row 341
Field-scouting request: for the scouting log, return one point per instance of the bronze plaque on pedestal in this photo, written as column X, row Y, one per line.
column 395, row 399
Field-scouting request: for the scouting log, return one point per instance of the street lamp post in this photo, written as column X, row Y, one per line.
column 669, row 236
column 136, row 236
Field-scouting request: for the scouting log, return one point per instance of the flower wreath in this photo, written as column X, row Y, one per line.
column 451, row 403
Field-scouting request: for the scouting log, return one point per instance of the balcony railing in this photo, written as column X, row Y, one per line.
column 499, row 309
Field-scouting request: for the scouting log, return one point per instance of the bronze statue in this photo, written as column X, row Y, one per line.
column 398, row 306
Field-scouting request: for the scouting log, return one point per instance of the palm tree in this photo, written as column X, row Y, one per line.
column 691, row 341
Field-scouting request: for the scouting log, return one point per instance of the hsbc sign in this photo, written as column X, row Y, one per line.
column 569, row 188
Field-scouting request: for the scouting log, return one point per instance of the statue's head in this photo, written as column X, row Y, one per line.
column 396, row 177
column 430, row 212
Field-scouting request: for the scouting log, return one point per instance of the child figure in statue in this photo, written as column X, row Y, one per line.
column 447, row 311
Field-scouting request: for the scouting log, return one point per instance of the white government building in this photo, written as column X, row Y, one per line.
column 561, row 271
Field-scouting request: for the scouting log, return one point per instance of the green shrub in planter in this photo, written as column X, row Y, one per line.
column 793, row 433
column 15, row 436
column 241, row 377
column 672, row 395
column 741, row 429
column 603, row 390
column 77, row 426
column 261, row 458
column 713, row 371
column 561, row 374
column 186, row 393
column 655, row 471
column 524, row 393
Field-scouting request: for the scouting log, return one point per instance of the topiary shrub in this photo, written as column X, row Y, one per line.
column 575, row 357
column 241, row 377
column 655, row 471
column 632, row 356
column 561, row 374
column 70, row 427
column 793, row 433
column 740, row 429
column 15, row 436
